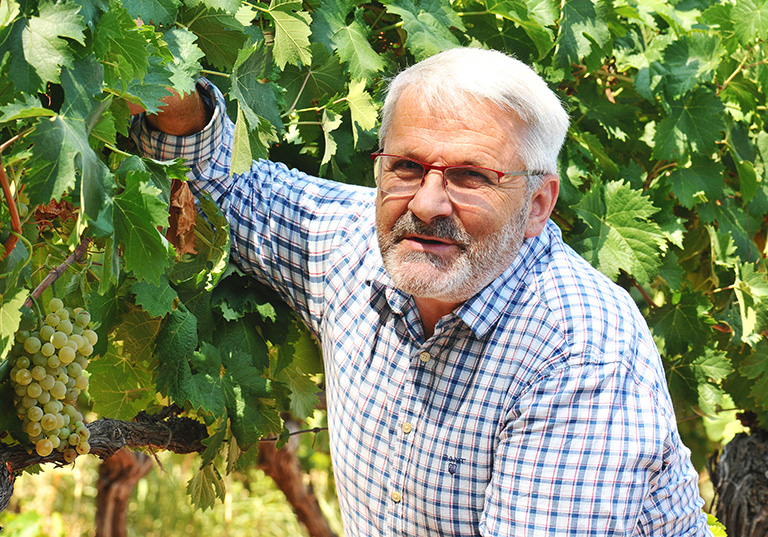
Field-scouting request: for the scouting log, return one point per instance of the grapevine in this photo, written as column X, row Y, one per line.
column 48, row 375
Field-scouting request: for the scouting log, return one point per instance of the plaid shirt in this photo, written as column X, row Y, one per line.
column 538, row 407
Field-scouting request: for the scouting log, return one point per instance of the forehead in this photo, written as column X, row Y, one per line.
column 463, row 128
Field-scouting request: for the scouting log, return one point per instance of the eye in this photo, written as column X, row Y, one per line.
column 407, row 169
column 469, row 177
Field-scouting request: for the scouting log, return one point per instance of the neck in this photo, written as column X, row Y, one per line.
column 431, row 310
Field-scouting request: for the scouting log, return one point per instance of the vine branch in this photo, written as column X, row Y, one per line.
column 13, row 238
column 55, row 274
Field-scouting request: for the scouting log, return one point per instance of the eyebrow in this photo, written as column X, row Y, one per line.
column 468, row 162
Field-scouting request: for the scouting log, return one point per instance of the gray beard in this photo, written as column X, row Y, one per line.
column 456, row 279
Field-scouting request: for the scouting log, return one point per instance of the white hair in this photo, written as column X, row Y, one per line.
column 447, row 78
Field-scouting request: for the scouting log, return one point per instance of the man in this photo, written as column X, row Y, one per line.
column 481, row 377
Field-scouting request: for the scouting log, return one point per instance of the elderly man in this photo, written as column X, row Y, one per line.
column 482, row 378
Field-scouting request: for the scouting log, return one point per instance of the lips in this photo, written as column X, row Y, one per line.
column 437, row 236
column 429, row 245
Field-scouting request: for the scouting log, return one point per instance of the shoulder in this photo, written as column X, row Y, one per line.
column 599, row 320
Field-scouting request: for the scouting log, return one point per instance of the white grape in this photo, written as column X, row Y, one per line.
column 55, row 304
column 44, row 447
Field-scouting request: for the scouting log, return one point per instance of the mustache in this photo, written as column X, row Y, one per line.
column 443, row 228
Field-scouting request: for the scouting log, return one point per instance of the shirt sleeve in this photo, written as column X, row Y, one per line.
column 285, row 225
column 590, row 451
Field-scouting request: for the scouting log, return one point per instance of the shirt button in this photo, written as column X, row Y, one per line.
column 396, row 497
column 424, row 357
column 407, row 427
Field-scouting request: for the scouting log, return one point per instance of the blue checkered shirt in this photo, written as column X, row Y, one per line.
column 538, row 407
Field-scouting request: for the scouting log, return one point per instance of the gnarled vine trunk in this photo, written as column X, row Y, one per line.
column 283, row 466
column 740, row 477
column 118, row 476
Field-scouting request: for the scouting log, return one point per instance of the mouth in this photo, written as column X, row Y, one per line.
column 428, row 244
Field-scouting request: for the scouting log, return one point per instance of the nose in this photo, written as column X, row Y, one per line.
column 431, row 200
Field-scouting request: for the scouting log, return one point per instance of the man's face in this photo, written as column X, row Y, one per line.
column 436, row 247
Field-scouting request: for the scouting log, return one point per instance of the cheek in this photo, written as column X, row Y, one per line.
column 387, row 213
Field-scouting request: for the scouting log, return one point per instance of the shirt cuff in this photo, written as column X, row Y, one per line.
column 193, row 149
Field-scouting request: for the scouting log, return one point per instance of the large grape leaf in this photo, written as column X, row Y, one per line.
column 428, row 25
column 23, row 75
column 220, row 36
column 349, row 40
column 241, row 338
column 255, row 97
column 750, row 20
column 119, row 387
column 694, row 125
column 206, row 391
column 138, row 331
column 362, row 108
column 353, row 47
column 701, row 182
column 44, row 38
column 153, row 88
column 28, row 107
column 61, row 154
column 156, row 298
column 295, row 363
column 291, row 33
column 583, row 25
column 690, row 60
column 119, row 44
column 620, row 235
column 137, row 214
column 205, row 486
column 682, row 322
column 243, row 388
column 185, row 68
column 176, row 342
column 323, row 80
column 730, row 217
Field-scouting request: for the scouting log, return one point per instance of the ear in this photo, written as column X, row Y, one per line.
column 542, row 204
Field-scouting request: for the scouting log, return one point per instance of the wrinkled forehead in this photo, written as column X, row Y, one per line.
column 416, row 104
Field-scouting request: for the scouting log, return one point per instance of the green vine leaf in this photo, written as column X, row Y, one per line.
column 620, row 235
column 120, row 387
column 205, row 487
column 428, row 25
column 137, row 214
column 291, row 33
column 43, row 39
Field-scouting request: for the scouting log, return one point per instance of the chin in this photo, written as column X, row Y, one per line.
column 425, row 276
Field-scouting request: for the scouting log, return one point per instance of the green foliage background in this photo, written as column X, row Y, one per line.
column 663, row 179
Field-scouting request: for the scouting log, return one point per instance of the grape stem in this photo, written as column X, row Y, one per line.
column 13, row 238
column 55, row 274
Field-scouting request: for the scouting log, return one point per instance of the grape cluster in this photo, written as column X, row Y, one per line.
column 47, row 377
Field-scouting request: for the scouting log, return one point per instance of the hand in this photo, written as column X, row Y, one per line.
column 179, row 115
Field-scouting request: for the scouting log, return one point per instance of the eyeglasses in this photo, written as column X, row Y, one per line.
column 403, row 176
